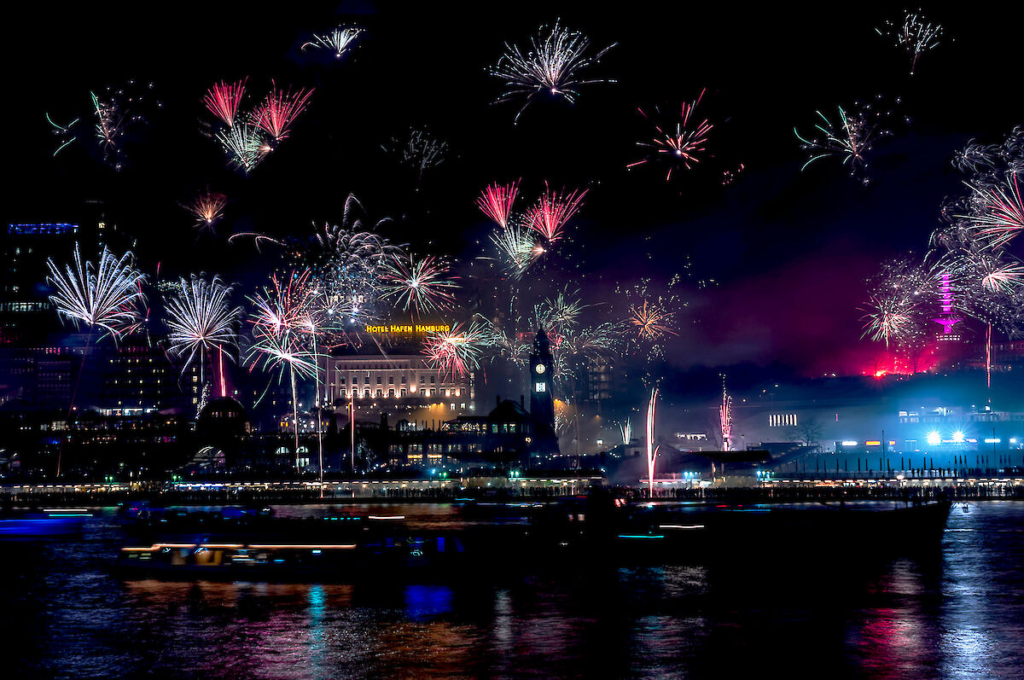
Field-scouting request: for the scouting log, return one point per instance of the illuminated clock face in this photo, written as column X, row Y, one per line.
column 540, row 368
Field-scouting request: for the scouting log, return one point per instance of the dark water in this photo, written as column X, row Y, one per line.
column 956, row 611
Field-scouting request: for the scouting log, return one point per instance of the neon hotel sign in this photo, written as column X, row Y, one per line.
column 409, row 329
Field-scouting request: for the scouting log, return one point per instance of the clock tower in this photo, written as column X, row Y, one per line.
column 542, row 404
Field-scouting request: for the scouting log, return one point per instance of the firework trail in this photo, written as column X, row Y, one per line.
column 62, row 132
column 455, row 353
column 725, row 420
column 420, row 285
column 914, row 36
column 201, row 319
column 851, row 139
column 339, row 41
column 101, row 296
column 549, row 216
column 256, row 237
column 626, row 431
column 554, row 65
column 279, row 110
column 496, row 201
column 652, row 451
column 282, row 324
column 222, row 100
column 207, row 208
column 682, row 148
column 244, row 146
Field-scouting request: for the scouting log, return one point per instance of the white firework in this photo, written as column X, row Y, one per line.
column 106, row 295
column 553, row 65
column 201, row 319
column 339, row 41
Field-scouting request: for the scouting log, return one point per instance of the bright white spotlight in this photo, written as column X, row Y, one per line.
column 958, row 437
column 934, row 438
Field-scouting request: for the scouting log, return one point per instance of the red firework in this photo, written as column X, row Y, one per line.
column 684, row 147
column 279, row 110
column 222, row 100
column 496, row 201
column 552, row 211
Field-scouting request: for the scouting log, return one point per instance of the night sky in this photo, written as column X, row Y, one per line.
column 788, row 251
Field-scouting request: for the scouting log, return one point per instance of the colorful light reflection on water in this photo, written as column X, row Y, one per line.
column 958, row 612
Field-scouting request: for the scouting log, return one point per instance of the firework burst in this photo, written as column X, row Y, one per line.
column 652, row 321
column 106, row 295
column 496, row 201
column 285, row 306
column 201, row 319
column 339, row 42
column 554, row 65
column 421, row 151
column 890, row 318
column 351, row 263
column 278, row 111
column 222, row 100
column 682, row 148
column 997, row 212
column 244, row 146
column 455, row 353
column 518, row 246
column 851, row 139
column 915, row 36
column 207, row 208
column 896, row 313
column 551, row 212
column 974, row 246
column 561, row 314
column 420, row 285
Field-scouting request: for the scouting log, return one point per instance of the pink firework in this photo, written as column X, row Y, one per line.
column 684, row 147
column 284, row 307
column 552, row 211
column 279, row 110
column 421, row 285
column 222, row 100
column 496, row 201
column 725, row 419
column 456, row 352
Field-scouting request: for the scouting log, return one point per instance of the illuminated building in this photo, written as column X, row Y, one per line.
column 26, row 313
column 399, row 383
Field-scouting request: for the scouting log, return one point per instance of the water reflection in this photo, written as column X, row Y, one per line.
column 953, row 612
